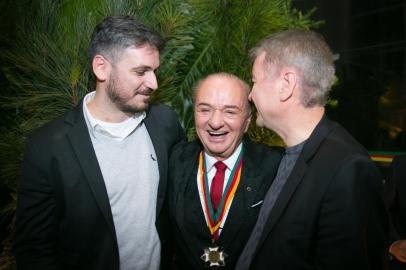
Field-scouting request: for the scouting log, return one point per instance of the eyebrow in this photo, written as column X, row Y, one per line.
column 143, row 68
column 225, row 107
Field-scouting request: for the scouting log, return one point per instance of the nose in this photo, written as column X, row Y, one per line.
column 250, row 96
column 151, row 81
column 216, row 120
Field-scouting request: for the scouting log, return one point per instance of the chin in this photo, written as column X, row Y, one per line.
column 214, row 152
column 135, row 108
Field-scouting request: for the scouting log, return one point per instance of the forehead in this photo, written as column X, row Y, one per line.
column 145, row 55
column 259, row 64
column 221, row 91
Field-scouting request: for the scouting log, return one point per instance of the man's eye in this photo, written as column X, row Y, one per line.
column 231, row 113
column 140, row 73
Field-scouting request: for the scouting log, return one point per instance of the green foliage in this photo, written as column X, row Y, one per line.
column 47, row 69
column 47, row 66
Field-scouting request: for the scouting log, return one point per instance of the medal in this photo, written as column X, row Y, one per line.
column 213, row 256
column 214, row 219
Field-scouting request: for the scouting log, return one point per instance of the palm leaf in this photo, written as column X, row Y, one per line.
column 47, row 69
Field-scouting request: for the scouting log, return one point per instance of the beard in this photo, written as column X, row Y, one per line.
column 122, row 103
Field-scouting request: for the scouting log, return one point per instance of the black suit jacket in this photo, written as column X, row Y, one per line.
column 189, row 230
column 330, row 213
column 64, row 219
column 395, row 195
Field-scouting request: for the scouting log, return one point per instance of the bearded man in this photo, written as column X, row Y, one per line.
column 93, row 181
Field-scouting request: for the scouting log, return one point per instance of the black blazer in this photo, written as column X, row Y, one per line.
column 395, row 195
column 189, row 230
column 330, row 213
column 64, row 219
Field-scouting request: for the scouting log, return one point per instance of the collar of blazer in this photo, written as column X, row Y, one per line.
column 83, row 148
column 257, row 171
column 323, row 128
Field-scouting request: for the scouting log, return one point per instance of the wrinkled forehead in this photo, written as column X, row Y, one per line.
column 223, row 85
column 145, row 50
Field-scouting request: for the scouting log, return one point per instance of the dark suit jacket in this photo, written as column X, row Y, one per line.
column 395, row 194
column 330, row 213
column 396, row 197
column 189, row 230
column 64, row 219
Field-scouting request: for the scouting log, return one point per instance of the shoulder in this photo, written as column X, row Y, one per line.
column 260, row 157
column 164, row 116
column 47, row 141
column 338, row 154
column 400, row 160
column 184, row 150
column 52, row 131
column 398, row 168
column 260, row 152
column 339, row 145
column 161, row 111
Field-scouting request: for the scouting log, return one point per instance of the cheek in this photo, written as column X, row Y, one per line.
column 200, row 121
column 239, row 127
column 130, row 81
column 254, row 94
column 256, row 89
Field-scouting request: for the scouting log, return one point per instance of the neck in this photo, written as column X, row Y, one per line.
column 101, row 107
column 301, row 125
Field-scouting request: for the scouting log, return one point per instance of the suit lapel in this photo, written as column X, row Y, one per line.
column 162, row 156
column 284, row 198
column 188, row 202
column 82, row 145
column 296, row 176
column 247, row 193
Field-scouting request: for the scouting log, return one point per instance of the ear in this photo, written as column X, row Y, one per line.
column 289, row 83
column 247, row 123
column 101, row 67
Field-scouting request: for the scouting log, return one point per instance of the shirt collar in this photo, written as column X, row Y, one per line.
column 117, row 131
column 230, row 161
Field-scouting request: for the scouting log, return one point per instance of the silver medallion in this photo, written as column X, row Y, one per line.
column 214, row 256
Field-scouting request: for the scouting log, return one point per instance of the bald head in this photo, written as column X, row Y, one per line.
column 222, row 113
column 239, row 85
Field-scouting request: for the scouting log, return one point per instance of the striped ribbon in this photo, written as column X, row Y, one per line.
column 214, row 220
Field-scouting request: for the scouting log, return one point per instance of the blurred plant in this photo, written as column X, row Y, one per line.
column 47, row 69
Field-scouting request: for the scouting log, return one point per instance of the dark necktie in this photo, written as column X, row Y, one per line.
column 216, row 189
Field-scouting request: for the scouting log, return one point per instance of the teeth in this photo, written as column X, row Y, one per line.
column 217, row 133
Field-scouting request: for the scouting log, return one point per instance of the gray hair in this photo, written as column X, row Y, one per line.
column 307, row 52
column 225, row 75
column 116, row 33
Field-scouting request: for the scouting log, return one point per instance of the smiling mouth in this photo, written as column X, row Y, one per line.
column 217, row 133
column 146, row 92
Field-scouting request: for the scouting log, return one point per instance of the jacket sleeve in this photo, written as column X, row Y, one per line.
column 353, row 224
column 36, row 220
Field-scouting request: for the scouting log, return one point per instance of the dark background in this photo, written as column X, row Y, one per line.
column 369, row 38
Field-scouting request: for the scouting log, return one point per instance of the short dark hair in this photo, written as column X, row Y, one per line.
column 116, row 33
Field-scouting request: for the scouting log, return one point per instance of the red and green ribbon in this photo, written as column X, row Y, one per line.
column 214, row 219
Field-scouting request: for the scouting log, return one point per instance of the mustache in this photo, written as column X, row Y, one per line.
column 146, row 92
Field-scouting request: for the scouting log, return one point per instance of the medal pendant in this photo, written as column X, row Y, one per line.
column 214, row 257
